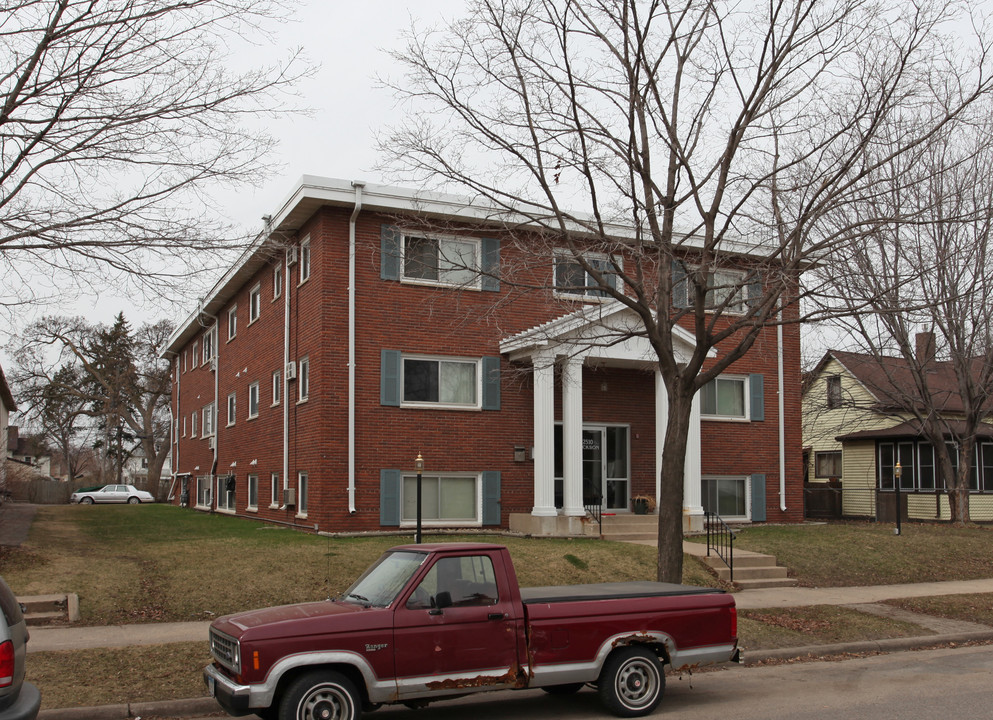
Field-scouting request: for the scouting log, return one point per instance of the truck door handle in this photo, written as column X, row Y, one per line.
column 496, row 616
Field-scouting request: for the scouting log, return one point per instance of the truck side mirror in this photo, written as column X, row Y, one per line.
column 443, row 600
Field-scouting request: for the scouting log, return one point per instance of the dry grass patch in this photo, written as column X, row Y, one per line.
column 119, row 675
column 977, row 608
column 816, row 625
column 850, row 554
column 153, row 563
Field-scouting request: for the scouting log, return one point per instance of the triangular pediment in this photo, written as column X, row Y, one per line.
column 610, row 333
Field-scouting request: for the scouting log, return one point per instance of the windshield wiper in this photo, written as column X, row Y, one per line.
column 361, row 598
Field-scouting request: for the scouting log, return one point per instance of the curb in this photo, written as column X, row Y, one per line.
column 920, row 642
column 209, row 706
column 159, row 708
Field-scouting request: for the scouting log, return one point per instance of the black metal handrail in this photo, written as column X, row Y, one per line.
column 595, row 508
column 720, row 538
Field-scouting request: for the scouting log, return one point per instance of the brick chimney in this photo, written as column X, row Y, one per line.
column 924, row 348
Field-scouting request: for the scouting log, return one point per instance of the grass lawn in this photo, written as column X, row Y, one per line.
column 816, row 625
column 843, row 554
column 153, row 563
column 976, row 608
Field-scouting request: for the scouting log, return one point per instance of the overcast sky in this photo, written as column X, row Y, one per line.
column 350, row 43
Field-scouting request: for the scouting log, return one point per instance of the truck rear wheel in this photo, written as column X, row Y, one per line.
column 321, row 695
column 632, row 682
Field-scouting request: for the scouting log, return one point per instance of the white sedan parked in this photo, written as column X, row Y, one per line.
column 112, row 494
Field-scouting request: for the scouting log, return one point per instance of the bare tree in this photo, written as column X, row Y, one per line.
column 923, row 265
column 695, row 137
column 115, row 117
column 124, row 382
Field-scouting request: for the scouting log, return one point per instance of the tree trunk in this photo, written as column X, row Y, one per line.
column 670, row 537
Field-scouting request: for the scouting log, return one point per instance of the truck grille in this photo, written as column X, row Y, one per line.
column 225, row 650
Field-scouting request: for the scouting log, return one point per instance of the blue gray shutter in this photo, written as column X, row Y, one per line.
column 754, row 290
column 389, row 255
column 758, row 497
column 389, row 377
column 491, row 498
column 389, row 497
column 491, row 383
column 756, row 390
column 490, row 264
column 680, row 294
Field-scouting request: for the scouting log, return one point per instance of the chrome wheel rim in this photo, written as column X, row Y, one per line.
column 637, row 683
column 325, row 702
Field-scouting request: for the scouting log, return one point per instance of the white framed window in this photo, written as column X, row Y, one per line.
column 727, row 495
column 441, row 381
column 232, row 408
column 193, row 425
column 203, row 491
column 304, row 260
column 184, row 426
column 725, row 398
column 302, row 480
column 184, row 360
column 445, row 499
column 303, row 379
column 833, row 385
column 225, row 493
column 233, row 322
column 194, row 363
column 277, row 388
column 276, row 490
column 277, row 281
column 253, row 492
column 441, row 261
column 254, row 303
column 208, row 345
column 827, row 464
column 208, row 420
column 729, row 290
column 253, row 400
column 572, row 279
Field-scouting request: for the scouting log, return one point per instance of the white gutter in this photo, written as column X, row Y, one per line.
column 286, row 380
column 782, row 411
column 358, row 185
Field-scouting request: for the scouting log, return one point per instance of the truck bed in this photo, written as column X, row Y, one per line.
column 609, row 591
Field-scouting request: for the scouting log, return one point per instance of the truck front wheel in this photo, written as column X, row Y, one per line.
column 632, row 682
column 321, row 695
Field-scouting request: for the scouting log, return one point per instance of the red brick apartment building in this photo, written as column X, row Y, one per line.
column 326, row 359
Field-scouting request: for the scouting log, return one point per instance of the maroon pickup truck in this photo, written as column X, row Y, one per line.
column 430, row 622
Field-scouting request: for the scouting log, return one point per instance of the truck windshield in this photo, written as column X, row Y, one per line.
column 381, row 583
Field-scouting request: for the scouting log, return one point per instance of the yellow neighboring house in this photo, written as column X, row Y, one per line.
column 854, row 433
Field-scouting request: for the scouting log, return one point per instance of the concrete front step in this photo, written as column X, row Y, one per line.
column 42, row 609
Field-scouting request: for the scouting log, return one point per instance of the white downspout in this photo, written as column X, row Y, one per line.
column 782, row 410
column 286, row 380
column 358, row 185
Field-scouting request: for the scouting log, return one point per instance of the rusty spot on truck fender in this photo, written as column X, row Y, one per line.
column 637, row 638
column 514, row 677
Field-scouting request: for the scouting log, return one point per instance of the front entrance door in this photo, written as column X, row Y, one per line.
column 605, row 467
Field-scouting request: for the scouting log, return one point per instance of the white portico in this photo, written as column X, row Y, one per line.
column 604, row 335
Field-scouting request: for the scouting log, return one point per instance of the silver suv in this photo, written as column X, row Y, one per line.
column 19, row 700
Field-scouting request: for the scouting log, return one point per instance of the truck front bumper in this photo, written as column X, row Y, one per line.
column 231, row 696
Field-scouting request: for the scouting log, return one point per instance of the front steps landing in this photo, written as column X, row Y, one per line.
column 751, row 570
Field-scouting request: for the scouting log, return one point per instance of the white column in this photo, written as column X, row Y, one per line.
column 661, row 423
column 692, row 483
column 572, row 436
column 544, row 436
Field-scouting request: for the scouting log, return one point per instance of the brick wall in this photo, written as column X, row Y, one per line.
column 433, row 321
